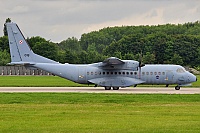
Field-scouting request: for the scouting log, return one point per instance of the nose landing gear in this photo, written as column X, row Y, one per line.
column 177, row 87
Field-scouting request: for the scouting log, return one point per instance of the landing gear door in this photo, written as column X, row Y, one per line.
column 82, row 75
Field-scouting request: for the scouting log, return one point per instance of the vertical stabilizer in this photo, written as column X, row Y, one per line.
column 19, row 49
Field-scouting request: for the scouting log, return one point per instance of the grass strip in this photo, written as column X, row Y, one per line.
column 75, row 112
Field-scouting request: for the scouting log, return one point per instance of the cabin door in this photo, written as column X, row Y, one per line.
column 169, row 76
column 82, row 75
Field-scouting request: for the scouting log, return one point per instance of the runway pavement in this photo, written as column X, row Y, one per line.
column 129, row 90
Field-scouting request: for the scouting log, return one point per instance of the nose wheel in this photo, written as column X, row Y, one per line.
column 177, row 88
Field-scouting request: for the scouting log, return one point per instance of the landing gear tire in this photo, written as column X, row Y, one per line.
column 115, row 88
column 135, row 85
column 107, row 88
column 177, row 88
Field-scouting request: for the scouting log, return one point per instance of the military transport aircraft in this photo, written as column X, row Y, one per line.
column 111, row 73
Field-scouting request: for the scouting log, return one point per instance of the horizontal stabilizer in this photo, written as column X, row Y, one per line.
column 116, row 81
column 21, row 63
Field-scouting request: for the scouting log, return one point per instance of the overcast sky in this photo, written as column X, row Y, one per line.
column 57, row 20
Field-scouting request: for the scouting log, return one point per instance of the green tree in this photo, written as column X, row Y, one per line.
column 46, row 49
column 71, row 57
column 83, row 56
column 61, row 56
column 198, row 58
column 34, row 40
column 148, row 58
column 92, row 54
column 4, row 29
column 4, row 45
column 70, row 44
column 118, row 55
column 176, row 59
column 4, row 57
column 128, row 56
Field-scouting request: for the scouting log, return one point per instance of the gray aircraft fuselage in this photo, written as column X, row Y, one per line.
column 150, row 74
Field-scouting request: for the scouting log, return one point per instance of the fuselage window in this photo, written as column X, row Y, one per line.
column 151, row 73
column 115, row 73
column 88, row 73
column 155, row 73
column 111, row 72
column 135, row 73
column 143, row 73
column 91, row 73
column 123, row 73
column 147, row 73
column 163, row 73
column 99, row 73
column 104, row 73
column 159, row 73
column 127, row 73
column 95, row 73
column 107, row 73
column 131, row 73
column 119, row 73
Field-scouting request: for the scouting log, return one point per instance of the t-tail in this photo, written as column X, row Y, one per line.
column 21, row 53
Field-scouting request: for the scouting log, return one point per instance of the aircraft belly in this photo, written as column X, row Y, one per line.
column 116, row 81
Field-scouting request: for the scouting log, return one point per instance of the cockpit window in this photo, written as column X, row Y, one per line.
column 180, row 70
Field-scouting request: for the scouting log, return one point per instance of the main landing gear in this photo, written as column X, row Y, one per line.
column 109, row 88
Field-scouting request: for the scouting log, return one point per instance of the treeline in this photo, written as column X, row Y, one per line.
column 161, row 44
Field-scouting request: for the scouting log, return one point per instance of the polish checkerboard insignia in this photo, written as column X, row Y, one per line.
column 20, row 42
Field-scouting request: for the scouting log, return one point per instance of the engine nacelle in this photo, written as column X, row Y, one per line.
column 131, row 65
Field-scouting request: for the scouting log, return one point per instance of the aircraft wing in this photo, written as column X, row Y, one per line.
column 111, row 61
column 116, row 81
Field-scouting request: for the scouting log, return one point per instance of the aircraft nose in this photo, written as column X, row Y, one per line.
column 192, row 78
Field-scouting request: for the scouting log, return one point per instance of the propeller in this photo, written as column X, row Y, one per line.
column 140, row 64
